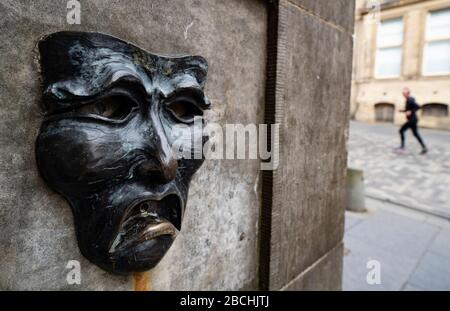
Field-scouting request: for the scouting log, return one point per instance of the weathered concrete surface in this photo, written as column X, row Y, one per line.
column 324, row 275
column 313, row 103
column 413, row 249
column 217, row 248
column 338, row 12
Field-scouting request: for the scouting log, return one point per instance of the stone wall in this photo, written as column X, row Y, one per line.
column 312, row 95
column 286, row 62
column 217, row 248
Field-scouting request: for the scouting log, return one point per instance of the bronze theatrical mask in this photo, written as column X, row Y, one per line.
column 105, row 144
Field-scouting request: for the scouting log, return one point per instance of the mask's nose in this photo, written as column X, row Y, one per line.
column 164, row 165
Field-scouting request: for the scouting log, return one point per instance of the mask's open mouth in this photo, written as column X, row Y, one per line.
column 147, row 220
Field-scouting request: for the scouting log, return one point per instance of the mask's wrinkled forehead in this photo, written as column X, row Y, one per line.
column 81, row 65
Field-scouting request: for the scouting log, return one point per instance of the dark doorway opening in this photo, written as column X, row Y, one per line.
column 384, row 112
column 435, row 110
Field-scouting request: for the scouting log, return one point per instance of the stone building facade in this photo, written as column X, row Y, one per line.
column 402, row 43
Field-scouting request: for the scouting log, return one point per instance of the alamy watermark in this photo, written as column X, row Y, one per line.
column 73, row 12
column 373, row 277
column 227, row 142
column 73, row 277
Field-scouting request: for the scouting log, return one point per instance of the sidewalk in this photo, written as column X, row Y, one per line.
column 408, row 179
column 413, row 249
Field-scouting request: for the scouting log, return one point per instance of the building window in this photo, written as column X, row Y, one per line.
column 388, row 60
column 436, row 59
column 384, row 112
column 435, row 110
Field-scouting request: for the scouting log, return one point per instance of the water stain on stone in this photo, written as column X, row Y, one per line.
column 141, row 281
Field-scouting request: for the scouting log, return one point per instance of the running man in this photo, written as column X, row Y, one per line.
column 412, row 120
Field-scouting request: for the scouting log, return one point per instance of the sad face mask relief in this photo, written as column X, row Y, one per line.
column 106, row 141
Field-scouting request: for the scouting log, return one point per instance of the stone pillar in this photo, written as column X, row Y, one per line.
column 305, row 208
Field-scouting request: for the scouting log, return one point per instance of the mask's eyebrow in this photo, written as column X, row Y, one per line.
column 191, row 93
column 84, row 86
column 64, row 95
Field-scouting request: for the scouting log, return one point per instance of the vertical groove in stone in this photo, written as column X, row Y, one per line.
column 267, row 176
column 274, row 108
column 277, row 178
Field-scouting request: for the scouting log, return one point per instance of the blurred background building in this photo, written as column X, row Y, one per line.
column 402, row 43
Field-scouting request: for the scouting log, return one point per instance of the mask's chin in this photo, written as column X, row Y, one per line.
column 146, row 232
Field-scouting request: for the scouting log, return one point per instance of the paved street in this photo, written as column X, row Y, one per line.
column 411, row 237
column 407, row 178
column 412, row 248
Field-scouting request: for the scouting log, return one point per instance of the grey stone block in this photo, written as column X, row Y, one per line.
column 395, row 268
column 324, row 275
column 314, row 85
column 337, row 12
column 398, row 234
column 441, row 244
column 433, row 273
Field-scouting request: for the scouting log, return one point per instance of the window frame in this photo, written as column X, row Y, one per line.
column 426, row 41
column 401, row 47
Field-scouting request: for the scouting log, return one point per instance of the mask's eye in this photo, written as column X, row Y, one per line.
column 184, row 110
column 116, row 107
